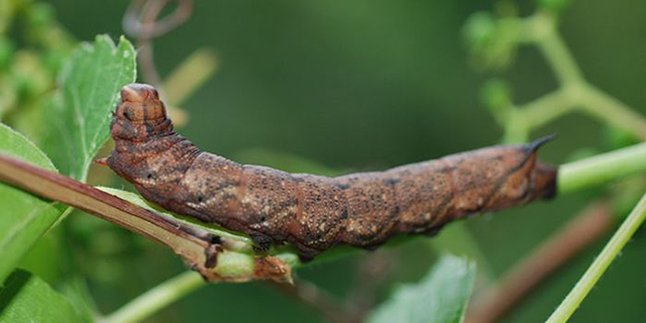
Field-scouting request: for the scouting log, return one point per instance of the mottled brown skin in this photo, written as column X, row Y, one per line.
column 314, row 212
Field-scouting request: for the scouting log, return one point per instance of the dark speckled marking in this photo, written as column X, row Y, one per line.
column 391, row 181
column 342, row 186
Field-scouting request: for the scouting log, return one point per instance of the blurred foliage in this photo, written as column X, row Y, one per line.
column 320, row 86
column 32, row 48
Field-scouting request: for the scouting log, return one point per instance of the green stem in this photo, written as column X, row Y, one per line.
column 556, row 52
column 157, row 298
column 575, row 91
column 602, row 168
column 612, row 111
column 546, row 108
column 599, row 266
column 520, row 121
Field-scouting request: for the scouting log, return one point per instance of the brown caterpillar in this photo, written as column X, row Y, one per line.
column 314, row 212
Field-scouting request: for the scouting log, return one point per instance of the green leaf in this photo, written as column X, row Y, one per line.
column 24, row 218
column 441, row 296
column 26, row 298
column 88, row 89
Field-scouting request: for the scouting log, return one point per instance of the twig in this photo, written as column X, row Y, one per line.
column 311, row 295
column 574, row 94
column 587, row 228
column 605, row 107
column 543, row 32
column 372, row 271
column 601, row 263
column 189, row 75
column 155, row 299
column 204, row 250
column 140, row 22
column 602, row 168
column 150, row 27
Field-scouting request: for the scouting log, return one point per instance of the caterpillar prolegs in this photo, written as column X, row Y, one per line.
column 314, row 212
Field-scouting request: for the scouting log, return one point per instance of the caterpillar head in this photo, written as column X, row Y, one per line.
column 139, row 114
column 527, row 179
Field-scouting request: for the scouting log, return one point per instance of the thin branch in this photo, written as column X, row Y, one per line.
column 575, row 93
column 156, row 299
column 554, row 49
column 371, row 274
column 318, row 299
column 605, row 107
column 141, row 22
column 214, row 254
column 602, row 168
column 189, row 75
column 600, row 264
column 582, row 231
column 546, row 108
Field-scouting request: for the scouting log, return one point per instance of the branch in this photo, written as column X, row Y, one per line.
column 543, row 32
column 605, row 107
column 602, row 168
column 318, row 299
column 494, row 302
column 600, row 264
column 155, row 299
column 575, row 93
column 216, row 255
column 141, row 22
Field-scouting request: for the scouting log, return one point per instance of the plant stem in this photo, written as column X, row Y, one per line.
column 187, row 77
column 575, row 93
column 602, row 168
column 318, row 299
column 546, row 108
column 551, row 44
column 599, row 266
column 157, row 298
column 494, row 302
column 612, row 111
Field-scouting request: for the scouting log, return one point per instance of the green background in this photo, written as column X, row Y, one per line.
column 365, row 85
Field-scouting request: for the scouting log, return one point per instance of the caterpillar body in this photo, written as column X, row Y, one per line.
column 314, row 212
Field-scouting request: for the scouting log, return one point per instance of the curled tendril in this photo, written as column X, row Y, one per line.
column 141, row 20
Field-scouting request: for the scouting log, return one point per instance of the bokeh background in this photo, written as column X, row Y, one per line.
column 337, row 86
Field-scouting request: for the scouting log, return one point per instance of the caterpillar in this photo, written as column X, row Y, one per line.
column 314, row 212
